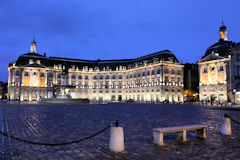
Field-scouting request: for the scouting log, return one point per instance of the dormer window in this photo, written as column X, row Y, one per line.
column 30, row 61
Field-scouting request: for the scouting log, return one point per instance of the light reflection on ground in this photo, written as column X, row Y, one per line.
column 56, row 124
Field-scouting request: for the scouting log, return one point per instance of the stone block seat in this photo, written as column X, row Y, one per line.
column 181, row 130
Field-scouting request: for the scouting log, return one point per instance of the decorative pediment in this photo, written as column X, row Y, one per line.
column 211, row 57
column 35, row 65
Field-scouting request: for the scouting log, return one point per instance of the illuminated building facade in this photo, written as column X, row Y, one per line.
column 215, row 70
column 156, row 77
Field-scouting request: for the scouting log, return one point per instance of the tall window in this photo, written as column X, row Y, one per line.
column 17, row 73
column 26, row 74
column 221, row 68
column 42, row 75
column 166, row 71
column 205, row 70
column 50, row 75
column 153, row 72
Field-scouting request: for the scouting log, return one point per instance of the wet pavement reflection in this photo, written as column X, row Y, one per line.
column 56, row 124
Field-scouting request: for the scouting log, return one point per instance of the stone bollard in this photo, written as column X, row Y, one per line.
column 226, row 127
column 116, row 143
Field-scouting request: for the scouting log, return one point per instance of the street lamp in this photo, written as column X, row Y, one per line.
column 234, row 93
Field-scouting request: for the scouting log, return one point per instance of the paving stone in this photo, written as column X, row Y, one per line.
column 55, row 124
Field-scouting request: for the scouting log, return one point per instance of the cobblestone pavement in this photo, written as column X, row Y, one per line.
column 54, row 124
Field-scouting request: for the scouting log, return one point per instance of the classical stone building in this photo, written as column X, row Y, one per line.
column 154, row 77
column 215, row 70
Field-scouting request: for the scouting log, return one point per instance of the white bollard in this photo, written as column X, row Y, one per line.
column 116, row 143
column 226, row 127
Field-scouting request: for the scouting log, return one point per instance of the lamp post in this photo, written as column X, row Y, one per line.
column 234, row 93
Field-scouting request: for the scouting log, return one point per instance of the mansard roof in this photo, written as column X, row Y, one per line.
column 23, row 60
column 222, row 47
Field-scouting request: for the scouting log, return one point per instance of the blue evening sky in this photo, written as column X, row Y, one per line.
column 113, row 29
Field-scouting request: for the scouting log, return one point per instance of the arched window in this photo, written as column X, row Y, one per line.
column 79, row 77
column 101, row 77
column 107, row 76
column 143, row 74
column 94, row 77
column 59, row 76
column 120, row 77
column 130, row 75
column 148, row 73
column 86, row 77
column 172, row 71
column 113, row 77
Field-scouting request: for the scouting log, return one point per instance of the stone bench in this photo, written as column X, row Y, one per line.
column 181, row 130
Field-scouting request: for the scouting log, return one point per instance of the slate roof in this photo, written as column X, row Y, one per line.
column 222, row 47
column 23, row 60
